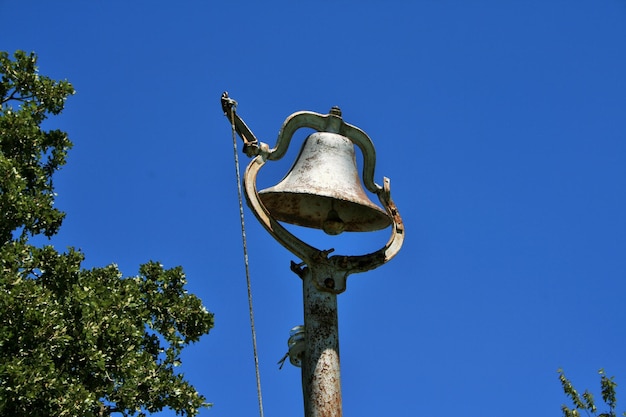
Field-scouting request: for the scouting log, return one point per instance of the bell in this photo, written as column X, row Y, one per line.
column 323, row 190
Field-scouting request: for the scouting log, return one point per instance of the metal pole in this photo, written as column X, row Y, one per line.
column 321, row 382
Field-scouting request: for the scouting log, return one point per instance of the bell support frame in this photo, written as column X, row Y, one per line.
column 331, row 273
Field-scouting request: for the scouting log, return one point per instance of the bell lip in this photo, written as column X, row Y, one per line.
column 311, row 210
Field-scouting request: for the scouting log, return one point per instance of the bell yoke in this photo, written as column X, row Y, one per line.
column 322, row 190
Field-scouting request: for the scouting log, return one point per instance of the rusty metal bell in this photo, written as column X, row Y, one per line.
column 323, row 190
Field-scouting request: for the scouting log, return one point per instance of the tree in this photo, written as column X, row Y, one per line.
column 586, row 401
column 76, row 342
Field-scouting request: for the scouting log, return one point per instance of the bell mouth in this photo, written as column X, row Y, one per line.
column 329, row 214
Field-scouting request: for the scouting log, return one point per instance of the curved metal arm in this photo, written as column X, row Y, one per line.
column 362, row 263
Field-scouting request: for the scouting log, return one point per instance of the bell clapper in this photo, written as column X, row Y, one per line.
column 333, row 225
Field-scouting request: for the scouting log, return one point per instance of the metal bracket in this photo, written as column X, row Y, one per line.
column 331, row 122
column 251, row 145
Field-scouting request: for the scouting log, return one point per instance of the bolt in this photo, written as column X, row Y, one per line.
column 329, row 283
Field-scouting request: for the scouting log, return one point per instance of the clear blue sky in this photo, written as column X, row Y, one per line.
column 502, row 125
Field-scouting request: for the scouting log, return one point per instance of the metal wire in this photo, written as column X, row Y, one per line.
column 245, row 259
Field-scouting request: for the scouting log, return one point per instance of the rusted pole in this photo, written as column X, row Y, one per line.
column 321, row 381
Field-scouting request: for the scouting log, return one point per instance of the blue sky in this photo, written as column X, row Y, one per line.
column 501, row 125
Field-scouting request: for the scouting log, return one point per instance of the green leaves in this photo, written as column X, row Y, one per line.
column 586, row 401
column 76, row 342
column 83, row 338
column 29, row 155
column 22, row 83
column 608, row 390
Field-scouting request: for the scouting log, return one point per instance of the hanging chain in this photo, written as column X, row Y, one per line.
column 245, row 258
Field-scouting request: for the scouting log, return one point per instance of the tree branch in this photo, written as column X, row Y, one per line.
column 13, row 96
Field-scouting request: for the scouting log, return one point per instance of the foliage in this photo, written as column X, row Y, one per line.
column 29, row 155
column 76, row 342
column 586, row 402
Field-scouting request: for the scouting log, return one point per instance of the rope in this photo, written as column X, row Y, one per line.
column 245, row 259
